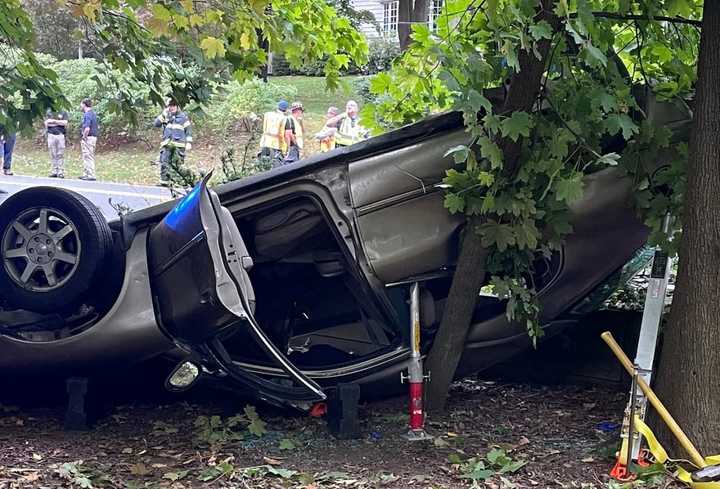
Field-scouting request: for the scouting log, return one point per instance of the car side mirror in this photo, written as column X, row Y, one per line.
column 183, row 377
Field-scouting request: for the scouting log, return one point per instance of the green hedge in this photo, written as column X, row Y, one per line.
column 235, row 103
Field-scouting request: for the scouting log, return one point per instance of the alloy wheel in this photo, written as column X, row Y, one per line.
column 41, row 249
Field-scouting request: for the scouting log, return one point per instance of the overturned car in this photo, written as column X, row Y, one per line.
column 289, row 282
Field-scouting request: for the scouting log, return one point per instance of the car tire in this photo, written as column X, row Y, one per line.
column 54, row 244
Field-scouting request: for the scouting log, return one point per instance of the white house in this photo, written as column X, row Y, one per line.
column 386, row 15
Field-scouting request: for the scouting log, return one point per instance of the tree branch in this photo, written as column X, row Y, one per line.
column 662, row 18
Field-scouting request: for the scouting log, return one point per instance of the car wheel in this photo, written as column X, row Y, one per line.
column 54, row 244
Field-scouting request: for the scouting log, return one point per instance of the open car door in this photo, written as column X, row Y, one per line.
column 202, row 292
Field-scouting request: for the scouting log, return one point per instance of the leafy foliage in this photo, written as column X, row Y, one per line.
column 214, row 430
column 495, row 463
column 156, row 42
column 235, row 102
column 589, row 116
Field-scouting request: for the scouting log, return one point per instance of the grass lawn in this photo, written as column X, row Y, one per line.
column 311, row 92
column 133, row 163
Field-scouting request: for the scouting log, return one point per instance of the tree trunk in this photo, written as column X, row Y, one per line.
column 450, row 339
column 404, row 18
column 469, row 275
column 688, row 372
column 410, row 12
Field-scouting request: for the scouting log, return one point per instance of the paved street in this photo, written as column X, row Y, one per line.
column 100, row 193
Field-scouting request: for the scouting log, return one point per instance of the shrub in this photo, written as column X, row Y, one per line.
column 382, row 54
column 81, row 78
column 237, row 106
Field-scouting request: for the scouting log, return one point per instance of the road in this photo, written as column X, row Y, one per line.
column 101, row 194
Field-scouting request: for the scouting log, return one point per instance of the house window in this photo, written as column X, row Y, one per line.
column 390, row 17
column 434, row 14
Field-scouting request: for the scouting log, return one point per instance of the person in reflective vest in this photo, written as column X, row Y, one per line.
column 327, row 135
column 349, row 129
column 294, row 133
column 272, row 142
column 177, row 139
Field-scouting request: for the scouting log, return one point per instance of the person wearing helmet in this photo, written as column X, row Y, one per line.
column 177, row 138
column 294, row 133
column 272, row 142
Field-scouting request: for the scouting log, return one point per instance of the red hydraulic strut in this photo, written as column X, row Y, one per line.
column 415, row 376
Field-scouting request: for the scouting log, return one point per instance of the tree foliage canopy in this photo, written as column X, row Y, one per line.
column 597, row 58
column 157, row 41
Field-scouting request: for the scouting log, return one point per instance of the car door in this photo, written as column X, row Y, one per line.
column 199, row 266
column 397, row 199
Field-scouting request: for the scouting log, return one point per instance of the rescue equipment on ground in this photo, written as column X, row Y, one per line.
column 708, row 474
column 644, row 359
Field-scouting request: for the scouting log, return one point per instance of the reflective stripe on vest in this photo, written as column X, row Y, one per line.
column 273, row 130
column 347, row 132
column 177, row 133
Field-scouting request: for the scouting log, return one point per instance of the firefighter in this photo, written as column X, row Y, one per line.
column 272, row 143
column 177, row 138
column 348, row 123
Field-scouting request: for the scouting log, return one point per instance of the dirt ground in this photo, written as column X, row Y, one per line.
column 495, row 434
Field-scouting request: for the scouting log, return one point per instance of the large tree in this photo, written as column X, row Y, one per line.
column 565, row 71
column 688, row 376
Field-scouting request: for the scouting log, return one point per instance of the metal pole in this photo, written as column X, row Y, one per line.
column 652, row 314
column 415, row 376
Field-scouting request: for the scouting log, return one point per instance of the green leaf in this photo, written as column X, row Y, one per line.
column 286, row 444
column 486, row 178
column 257, row 425
column 518, row 124
column 491, row 151
column 176, row 476
column 284, row 473
column 492, row 123
column 606, row 101
column 512, row 467
column 541, row 30
column 161, row 13
column 621, row 122
column 494, row 455
column 683, row 8
column 527, row 234
column 380, row 83
column 209, row 474
column 569, row 189
column 454, row 459
column 496, row 234
column 594, row 56
column 454, row 203
column 478, row 101
column 213, row 47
